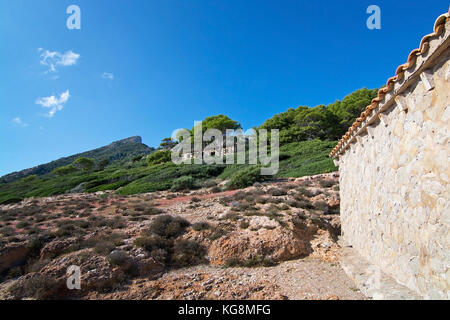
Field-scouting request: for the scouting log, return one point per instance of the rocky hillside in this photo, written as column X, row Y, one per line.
column 199, row 244
column 119, row 150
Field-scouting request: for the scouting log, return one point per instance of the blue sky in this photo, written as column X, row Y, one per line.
column 143, row 67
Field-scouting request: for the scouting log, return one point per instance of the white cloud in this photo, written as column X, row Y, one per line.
column 108, row 76
column 53, row 103
column 52, row 59
column 19, row 122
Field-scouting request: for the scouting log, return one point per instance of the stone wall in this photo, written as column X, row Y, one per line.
column 394, row 182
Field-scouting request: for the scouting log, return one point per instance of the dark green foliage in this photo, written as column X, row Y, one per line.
column 351, row 107
column 101, row 165
column 167, row 144
column 159, row 157
column 29, row 178
column 323, row 122
column 307, row 158
column 83, row 163
column 10, row 199
column 183, row 183
column 246, row 177
column 137, row 158
column 219, row 122
column 64, row 170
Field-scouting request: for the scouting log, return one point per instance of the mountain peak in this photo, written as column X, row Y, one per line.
column 118, row 150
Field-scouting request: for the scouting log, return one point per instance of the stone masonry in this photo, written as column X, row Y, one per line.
column 395, row 174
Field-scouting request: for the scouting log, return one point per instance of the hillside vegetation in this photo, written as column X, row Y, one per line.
column 121, row 150
column 307, row 135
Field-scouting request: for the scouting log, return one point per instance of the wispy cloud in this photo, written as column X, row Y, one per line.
column 19, row 122
column 53, row 103
column 108, row 76
column 53, row 59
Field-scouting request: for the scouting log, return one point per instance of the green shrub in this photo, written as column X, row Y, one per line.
column 200, row 226
column 168, row 227
column 245, row 178
column 22, row 224
column 183, row 183
column 61, row 171
column 10, row 200
column 159, row 157
column 29, row 178
column 83, row 163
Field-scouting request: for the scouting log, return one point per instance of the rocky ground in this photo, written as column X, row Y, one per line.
column 274, row 240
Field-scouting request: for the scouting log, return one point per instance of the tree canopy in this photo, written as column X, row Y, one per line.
column 167, row 144
column 219, row 122
column 324, row 122
column 84, row 163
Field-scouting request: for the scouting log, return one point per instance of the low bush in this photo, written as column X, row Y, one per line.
column 246, row 178
column 321, row 205
column 159, row 157
column 183, row 183
column 168, row 226
column 244, row 224
column 119, row 258
column 187, row 253
column 104, row 247
column 277, row 192
column 39, row 286
column 305, row 192
column 326, row 183
column 200, row 226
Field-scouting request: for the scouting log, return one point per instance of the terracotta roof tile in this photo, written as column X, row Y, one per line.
column 439, row 27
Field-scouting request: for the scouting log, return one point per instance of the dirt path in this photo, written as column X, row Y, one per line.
column 184, row 199
column 293, row 280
